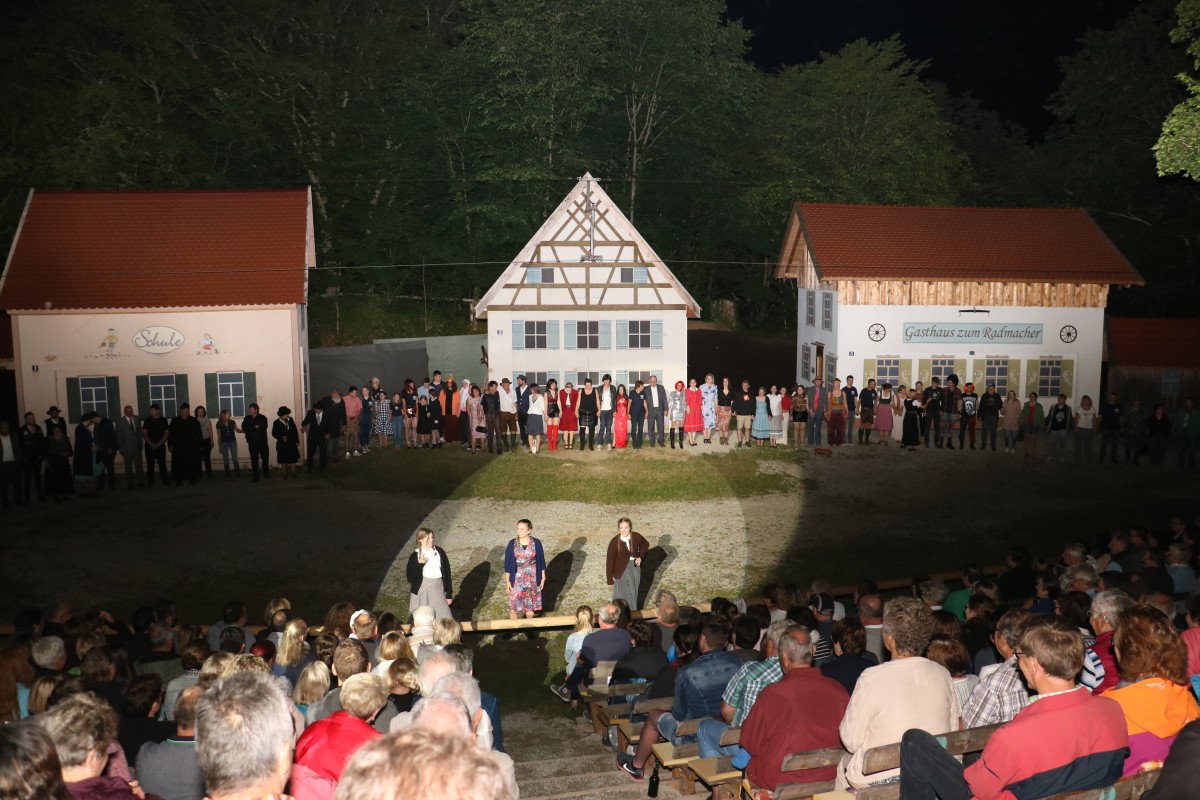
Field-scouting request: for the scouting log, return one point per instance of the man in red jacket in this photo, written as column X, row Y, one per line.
column 326, row 745
column 1065, row 740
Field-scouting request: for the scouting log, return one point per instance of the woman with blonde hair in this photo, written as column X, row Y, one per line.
column 392, row 646
column 585, row 620
column 445, row 631
column 312, row 686
column 535, row 419
column 404, row 687
column 1011, row 413
column 294, row 654
column 428, row 574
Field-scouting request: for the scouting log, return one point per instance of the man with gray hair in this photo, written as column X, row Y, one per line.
column 1001, row 692
column 442, row 712
column 244, row 737
column 1080, row 578
column 607, row 644
column 49, row 653
column 744, row 688
column 933, row 594
column 424, row 765
column 466, row 689
column 770, row 732
column 1100, row 660
column 432, row 670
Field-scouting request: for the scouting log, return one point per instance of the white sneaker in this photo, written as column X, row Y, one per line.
column 347, row 454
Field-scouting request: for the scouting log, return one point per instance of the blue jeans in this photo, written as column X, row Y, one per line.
column 1010, row 439
column 364, row 432
column 229, row 451
column 709, row 738
column 815, row 421
column 928, row 772
column 606, row 427
column 666, row 728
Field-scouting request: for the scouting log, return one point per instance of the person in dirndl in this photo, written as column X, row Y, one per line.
column 428, row 575
column 623, row 566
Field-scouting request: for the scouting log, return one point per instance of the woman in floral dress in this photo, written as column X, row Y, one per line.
column 693, row 423
column 524, row 572
column 724, row 410
column 621, row 419
column 708, row 405
column 478, row 420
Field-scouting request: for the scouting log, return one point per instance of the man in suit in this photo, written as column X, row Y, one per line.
column 316, row 426
column 255, row 427
column 106, row 451
column 335, row 417
column 608, row 409
column 33, row 449
column 129, row 443
column 637, row 414
column 656, row 407
column 818, row 404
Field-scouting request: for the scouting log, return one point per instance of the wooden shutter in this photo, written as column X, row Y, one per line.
column 181, row 390
column 518, row 334
column 74, row 402
column 606, row 334
column 906, row 372
column 1032, row 368
column 570, row 337
column 924, row 371
column 249, row 388
column 1014, row 376
column 552, row 335
column 212, row 395
column 978, row 370
column 143, row 395
column 960, row 369
column 656, row 334
column 868, row 370
column 112, row 388
column 622, row 334
column 1068, row 377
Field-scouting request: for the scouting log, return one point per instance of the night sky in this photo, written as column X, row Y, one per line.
column 1005, row 53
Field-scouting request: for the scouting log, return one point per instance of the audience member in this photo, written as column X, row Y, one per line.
column 349, row 659
column 29, row 765
column 1002, row 692
column 1100, row 665
column 327, row 744
column 170, row 768
column 424, row 765
column 244, row 738
column 83, row 727
column 851, row 657
column 607, row 644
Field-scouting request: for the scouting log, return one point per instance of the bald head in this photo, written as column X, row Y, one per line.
column 442, row 712
column 870, row 610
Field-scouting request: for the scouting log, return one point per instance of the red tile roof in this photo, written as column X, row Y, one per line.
column 946, row 243
column 1169, row 343
column 97, row 250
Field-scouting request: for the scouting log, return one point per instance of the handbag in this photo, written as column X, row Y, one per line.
column 481, row 429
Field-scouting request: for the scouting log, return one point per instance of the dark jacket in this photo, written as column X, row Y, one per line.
column 491, row 404
column 327, row 426
column 846, row 668
column 84, row 455
column 335, row 415
column 662, row 398
column 105, row 787
column 255, row 429
column 106, row 435
column 510, row 559
column 642, row 663
column 30, row 444
column 415, row 578
column 619, row 554
column 637, row 403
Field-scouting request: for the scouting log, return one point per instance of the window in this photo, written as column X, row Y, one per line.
column 93, row 395
column 538, row 378
column 996, row 371
column 587, row 335
column 635, row 275
column 941, row 368
column 162, row 392
column 805, row 362
column 827, row 310
column 639, row 334
column 810, row 309
column 231, row 393
column 830, row 370
column 535, row 335
column 1049, row 377
column 887, row 370
column 643, row 376
column 539, row 275
column 1170, row 383
column 580, row 377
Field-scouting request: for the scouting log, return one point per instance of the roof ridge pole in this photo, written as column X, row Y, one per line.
column 590, row 209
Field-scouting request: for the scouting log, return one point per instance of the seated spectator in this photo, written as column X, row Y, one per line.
column 16, row 677
column 1016, row 583
column 1179, row 557
column 337, row 619
column 584, row 619
column 422, row 628
column 1080, row 578
column 1155, row 575
column 1002, row 693
column 698, row 690
column 745, row 686
column 99, row 672
column 910, row 691
column 956, row 601
column 312, row 686
column 264, row 649
column 805, row 617
column 392, row 645
column 293, row 654
column 170, row 768
column 29, row 766
column 139, row 723
column 1191, row 639
column 851, row 657
column 445, row 631
column 43, row 687
column 233, row 640
column 489, row 729
column 1080, row 739
column 746, row 633
column 326, row 745
column 667, row 608
column 49, row 654
column 436, row 667
column 1100, row 665
column 244, row 738
column 161, row 660
column 403, row 690
column 1046, row 593
column 769, row 732
column 870, row 614
column 822, row 586
column 191, row 659
column 1076, row 608
column 644, row 660
column 952, row 654
column 946, row 624
column 233, row 615
column 932, row 594
column 822, row 609
column 349, row 659
column 1178, row 778
column 82, row 728
column 1155, row 692
column 424, row 765
column 607, row 644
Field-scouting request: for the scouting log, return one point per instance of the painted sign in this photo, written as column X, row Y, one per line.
column 972, row 332
column 158, row 339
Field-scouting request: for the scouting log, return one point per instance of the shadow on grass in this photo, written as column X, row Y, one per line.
column 561, row 573
column 497, row 664
column 434, row 474
column 653, row 565
column 474, row 585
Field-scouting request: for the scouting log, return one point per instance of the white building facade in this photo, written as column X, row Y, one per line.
column 587, row 296
column 1014, row 297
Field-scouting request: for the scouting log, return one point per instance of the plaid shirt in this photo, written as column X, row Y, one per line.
column 744, row 687
column 997, row 698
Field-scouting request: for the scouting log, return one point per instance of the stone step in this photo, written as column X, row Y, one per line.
column 611, row 784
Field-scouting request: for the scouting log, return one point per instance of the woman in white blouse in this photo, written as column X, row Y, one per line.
column 428, row 574
column 1085, row 425
column 535, row 420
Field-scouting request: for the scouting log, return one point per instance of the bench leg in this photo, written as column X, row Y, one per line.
column 596, row 725
column 685, row 782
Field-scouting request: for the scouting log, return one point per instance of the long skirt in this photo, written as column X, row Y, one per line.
column 626, row 587
column 723, row 415
column 431, row 595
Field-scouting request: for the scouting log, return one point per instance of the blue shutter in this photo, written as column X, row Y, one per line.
column 641, row 274
column 518, row 334
column 552, row 335
column 572, row 340
column 656, row 334
column 554, row 376
column 533, row 275
column 606, row 334
column 623, row 379
column 622, row 334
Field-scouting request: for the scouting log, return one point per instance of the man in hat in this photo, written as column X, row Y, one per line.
column 255, row 427
column 53, row 420
column 931, row 399
column 316, row 426
column 491, row 412
column 508, row 412
column 154, row 434
column 184, row 439
column 968, row 412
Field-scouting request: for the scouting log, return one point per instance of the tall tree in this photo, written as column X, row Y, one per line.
column 1178, row 147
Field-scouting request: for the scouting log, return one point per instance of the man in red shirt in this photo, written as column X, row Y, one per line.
column 326, row 745
column 771, row 731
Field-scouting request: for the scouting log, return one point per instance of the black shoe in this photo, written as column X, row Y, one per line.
column 625, row 764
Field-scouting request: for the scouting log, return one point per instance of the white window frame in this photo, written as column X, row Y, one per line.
column 887, row 370
column 941, row 367
column 231, row 393
column 93, row 394
column 168, row 404
column 995, row 370
column 1049, row 377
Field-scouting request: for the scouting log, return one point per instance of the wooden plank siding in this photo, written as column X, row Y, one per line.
column 1146, row 384
column 967, row 293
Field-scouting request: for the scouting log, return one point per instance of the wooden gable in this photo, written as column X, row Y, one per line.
column 587, row 255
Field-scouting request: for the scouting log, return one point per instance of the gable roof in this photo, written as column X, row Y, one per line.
column 159, row 249
column 948, row 243
column 1169, row 343
column 569, row 234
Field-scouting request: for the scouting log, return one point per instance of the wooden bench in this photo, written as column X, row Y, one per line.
column 887, row 756
column 809, row 759
column 629, row 732
column 679, row 758
column 718, row 774
column 1131, row 788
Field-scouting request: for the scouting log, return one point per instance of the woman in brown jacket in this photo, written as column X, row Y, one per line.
column 623, row 567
